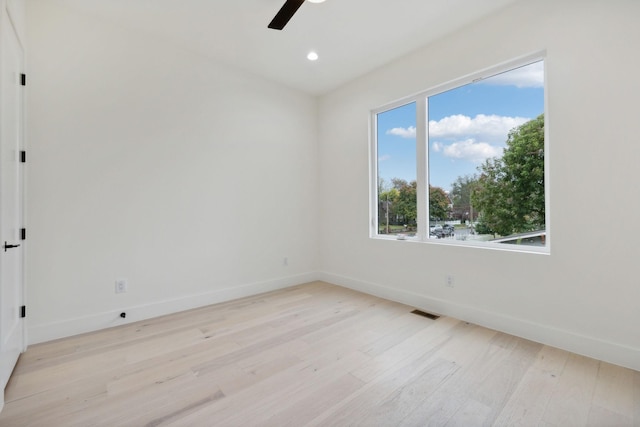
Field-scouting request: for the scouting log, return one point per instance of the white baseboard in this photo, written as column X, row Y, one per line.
column 576, row 343
column 588, row 346
column 95, row 322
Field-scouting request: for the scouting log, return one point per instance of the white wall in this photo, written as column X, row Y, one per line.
column 16, row 10
column 190, row 179
column 585, row 295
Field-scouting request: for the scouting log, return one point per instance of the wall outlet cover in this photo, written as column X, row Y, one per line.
column 121, row 286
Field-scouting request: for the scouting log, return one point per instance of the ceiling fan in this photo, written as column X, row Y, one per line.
column 286, row 12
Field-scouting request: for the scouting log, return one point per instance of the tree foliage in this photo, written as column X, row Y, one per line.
column 406, row 203
column 438, row 203
column 510, row 190
column 399, row 200
column 461, row 191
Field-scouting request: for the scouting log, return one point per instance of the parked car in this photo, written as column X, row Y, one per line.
column 440, row 231
column 448, row 230
column 436, row 231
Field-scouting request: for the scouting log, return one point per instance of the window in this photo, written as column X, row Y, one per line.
column 465, row 163
column 397, row 170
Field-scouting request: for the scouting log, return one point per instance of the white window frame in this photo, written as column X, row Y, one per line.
column 422, row 160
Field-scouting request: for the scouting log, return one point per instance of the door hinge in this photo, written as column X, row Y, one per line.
column 23, row 311
column 23, row 157
column 23, row 234
column 23, row 79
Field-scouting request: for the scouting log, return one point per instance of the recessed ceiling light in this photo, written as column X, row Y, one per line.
column 312, row 56
column 315, row 1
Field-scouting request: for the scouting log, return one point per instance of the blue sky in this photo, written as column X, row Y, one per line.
column 466, row 125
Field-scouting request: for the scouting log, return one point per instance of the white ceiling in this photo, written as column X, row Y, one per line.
column 352, row 37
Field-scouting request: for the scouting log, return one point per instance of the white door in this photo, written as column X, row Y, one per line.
column 11, row 208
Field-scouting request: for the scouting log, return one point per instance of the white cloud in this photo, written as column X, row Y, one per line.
column 486, row 127
column 528, row 76
column 409, row 132
column 469, row 150
column 384, row 157
column 493, row 127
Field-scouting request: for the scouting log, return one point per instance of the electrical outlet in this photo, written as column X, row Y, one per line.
column 121, row 286
column 448, row 281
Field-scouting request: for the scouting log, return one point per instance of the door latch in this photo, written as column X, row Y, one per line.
column 7, row 246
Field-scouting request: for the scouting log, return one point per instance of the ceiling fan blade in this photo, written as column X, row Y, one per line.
column 284, row 15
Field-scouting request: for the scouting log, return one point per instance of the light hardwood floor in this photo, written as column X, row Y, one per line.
column 313, row 355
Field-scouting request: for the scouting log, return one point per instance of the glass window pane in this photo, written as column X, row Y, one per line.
column 486, row 159
column 396, row 138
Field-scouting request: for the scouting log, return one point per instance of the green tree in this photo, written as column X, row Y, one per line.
column 461, row 191
column 510, row 190
column 406, row 202
column 438, row 203
column 387, row 201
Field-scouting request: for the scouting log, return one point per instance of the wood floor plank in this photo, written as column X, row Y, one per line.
column 399, row 329
column 383, row 387
column 404, row 400
column 614, row 390
column 432, row 338
column 39, row 408
column 571, row 400
column 501, row 380
column 599, row 417
column 321, row 372
column 148, row 404
column 529, row 401
column 267, row 396
column 302, row 411
column 473, row 413
column 636, row 396
column 475, row 355
column 312, row 355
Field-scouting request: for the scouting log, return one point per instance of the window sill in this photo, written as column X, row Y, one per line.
column 541, row 250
